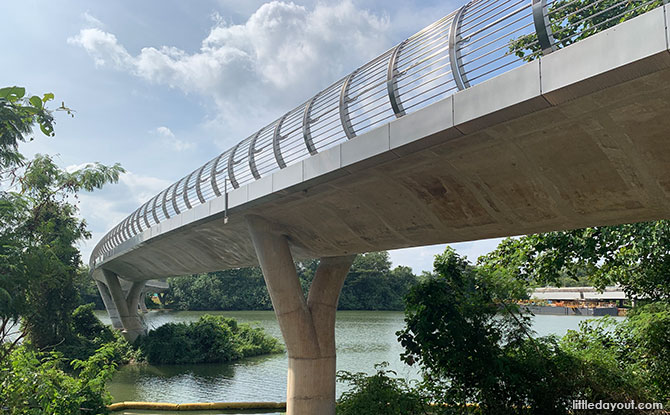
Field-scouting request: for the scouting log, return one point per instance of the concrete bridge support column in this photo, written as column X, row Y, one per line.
column 126, row 305
column 109, row 305
column 142, row 304
column 308, row 326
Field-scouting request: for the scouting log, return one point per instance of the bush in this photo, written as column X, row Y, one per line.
column 473, row 346
column 212, row 339
column 379, row 394
column 623, row 361
column 89, row 334
column 32, row 383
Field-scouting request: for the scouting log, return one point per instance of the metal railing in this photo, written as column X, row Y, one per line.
column 476, row 42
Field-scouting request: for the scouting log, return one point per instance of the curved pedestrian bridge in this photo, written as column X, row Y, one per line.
column 503, row 118
column 566, row 140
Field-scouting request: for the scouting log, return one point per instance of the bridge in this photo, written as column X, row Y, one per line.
column 503, row 118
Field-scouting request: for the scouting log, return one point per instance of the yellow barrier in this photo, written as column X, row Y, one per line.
column 207, row 406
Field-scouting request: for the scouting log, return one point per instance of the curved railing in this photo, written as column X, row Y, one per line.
column 476, row 42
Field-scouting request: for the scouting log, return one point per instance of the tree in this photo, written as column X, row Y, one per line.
column 635, row 256
column 39, row 259
column 474, row 346
column 370, row 285
column 18, row 115
column 233, row 289
column 574, row 20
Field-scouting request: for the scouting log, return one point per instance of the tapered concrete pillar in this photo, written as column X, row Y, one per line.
column 126, row 305
column 109, row 305
column 308, row 326
column 143, row 305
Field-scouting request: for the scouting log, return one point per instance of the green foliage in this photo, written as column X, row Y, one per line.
column 635, row 256
column 370, row 285
column 473, row 346
column 40, row 228
column 13, row 281
column 380, row 394
column 234, row 289
column 88, row 334
column 87, row 290
column 33, row 384
column 18, row 114
column 212, row 339
column 574, row 20
column 632, row 358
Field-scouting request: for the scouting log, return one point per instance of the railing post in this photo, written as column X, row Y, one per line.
column 344, row 107
column 185, row 195
column 252, row 155
column 212, row 175
column 276, row 137
column 306, row 120
column 198, row 185
column 392, row 81
column 131, row 222
column 153, row 208
column 164, row 203
column 231, row 161
column 173, row 198
column 124, row 228
column 543, row 26
column 457, row 70
column 146, row 214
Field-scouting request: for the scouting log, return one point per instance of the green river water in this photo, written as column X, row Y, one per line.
column 363, row 338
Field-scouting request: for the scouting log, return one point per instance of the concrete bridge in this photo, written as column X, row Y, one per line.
column 446, row 137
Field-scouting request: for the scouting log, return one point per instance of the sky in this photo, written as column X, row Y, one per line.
column 164, row 86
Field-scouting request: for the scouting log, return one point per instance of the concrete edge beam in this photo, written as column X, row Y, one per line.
column 499, row 99
column 422, row 129
column 366, row 150
column 288, row 177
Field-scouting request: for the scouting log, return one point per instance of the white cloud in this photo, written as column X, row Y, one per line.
column 165, row 132
column 103, row 47
column 91, row 20
column 282, row 54
column 105, row 208
column 141, row 188
column 169, row 138
column 75, row 167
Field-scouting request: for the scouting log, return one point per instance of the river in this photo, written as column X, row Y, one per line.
column 363, row 338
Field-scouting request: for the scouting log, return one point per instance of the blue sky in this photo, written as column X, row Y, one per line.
column 163, row 86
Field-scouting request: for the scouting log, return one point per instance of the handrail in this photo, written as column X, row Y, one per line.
column 480, row 40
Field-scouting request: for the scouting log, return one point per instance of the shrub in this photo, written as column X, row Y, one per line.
column 623, row 361
column 473, row 346
column 379, row 394
column 211, row 339
column 32, row 383
column 89, row 334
